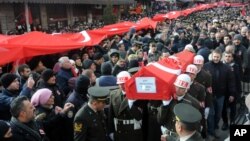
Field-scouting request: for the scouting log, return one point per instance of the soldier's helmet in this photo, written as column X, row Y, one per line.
column 191, row 69
column 183, row 81
column 122, row 77
column 198, row 59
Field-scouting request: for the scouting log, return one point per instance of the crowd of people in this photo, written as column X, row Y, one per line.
column 80, row 95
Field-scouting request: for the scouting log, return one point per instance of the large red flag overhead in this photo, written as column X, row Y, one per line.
column 33, row 44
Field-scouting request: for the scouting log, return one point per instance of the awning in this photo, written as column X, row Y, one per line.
column 104, row 2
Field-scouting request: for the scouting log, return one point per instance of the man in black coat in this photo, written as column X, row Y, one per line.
column 230, row 102
column 223, row 85
column 23, row 126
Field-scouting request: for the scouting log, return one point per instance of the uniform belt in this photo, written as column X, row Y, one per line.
column 125, row 122
column 153, row 108
column 135, row 124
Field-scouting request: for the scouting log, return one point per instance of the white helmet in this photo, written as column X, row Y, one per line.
column 191, row 69
column 189, row 47
column 183, row 81
column 122, row 77
column 199, row 60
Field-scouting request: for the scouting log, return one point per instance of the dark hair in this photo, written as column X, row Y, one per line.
column 88, row 73
column 17, row 105
column 106, row 69
column 218, row 51
column 229, row 52
column 22, row 67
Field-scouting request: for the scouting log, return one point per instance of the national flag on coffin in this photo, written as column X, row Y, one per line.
column 154, row 81
column 185, row 57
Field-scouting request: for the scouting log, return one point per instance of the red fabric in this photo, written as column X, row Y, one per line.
column 200, row 7
column 23, row 17
column 33, row 44
column 86, row 38
column 164, row 81
column 243, row 11
column 73, row 72
column 186, row 58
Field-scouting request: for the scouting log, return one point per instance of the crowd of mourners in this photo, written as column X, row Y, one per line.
column 63, row 97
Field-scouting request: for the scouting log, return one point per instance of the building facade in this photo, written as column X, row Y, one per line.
column 56, row 13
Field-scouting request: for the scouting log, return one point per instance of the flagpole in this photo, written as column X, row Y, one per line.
column 27, row 16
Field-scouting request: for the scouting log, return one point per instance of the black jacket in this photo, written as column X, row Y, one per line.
column 54, row 125
column 222, row 79
column 26, row 132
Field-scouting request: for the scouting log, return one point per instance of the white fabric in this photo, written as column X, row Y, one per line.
column 130, row 103
column 206, row 112
column 166, row 102
column 166, row 69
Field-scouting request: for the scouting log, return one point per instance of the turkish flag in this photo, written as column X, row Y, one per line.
column 185, row 57
column 154, row 82
column 86, row 38
column 33, row 44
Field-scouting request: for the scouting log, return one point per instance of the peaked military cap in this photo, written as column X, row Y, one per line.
column 186, row 113
column 98, row 93
column 134, row 70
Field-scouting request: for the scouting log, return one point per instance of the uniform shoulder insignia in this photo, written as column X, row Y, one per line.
column 78, row 127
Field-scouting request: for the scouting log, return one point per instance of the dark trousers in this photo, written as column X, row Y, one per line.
column 232, row 107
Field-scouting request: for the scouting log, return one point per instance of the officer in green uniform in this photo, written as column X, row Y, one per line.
column 187, row 119
column 89, row 122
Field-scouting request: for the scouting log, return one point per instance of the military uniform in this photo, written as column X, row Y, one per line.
column 166, row 117
column 153, row 126
column 186, row 114
column 205, row 78
column 124, row 122
column 197, row 91
column 89, row 124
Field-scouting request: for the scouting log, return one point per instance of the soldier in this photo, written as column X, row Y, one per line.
column 89, row 122
column 186, row 122
column 166, row 116
column 204, row 78
column 197, row 91
column 125, row 116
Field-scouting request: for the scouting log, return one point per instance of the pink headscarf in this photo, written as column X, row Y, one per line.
column 41, row 97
